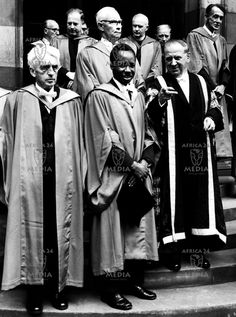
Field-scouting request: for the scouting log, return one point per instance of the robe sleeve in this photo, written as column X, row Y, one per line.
column 6, row 146
column 198, row 63
column 214, row 112
column 156, row 68
column 99, row 138
column 84, row 80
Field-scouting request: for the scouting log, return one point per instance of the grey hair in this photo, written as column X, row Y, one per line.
column 39, row 53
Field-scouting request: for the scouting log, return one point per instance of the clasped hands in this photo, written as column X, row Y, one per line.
column 140, row 170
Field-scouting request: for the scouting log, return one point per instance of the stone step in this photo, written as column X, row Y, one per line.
column 222, row 270
column 229, row 206
column 200, row 301
column 227, row 186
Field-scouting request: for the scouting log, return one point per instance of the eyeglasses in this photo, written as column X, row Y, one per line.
column 54, row 29
column 47, row 68
column 112, row 21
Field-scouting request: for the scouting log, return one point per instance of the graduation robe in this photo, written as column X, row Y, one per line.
column 209, row 59
column 190, row 196
column 151, row 63
column 22, row 159
column 111, row 119
column 3, row 96
column 93, row 69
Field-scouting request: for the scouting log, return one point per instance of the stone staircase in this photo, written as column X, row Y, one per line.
column 190, row 292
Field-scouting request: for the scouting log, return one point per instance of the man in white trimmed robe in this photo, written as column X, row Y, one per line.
column 185, row 116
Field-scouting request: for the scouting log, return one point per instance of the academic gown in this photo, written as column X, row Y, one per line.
column 190, row 196
column 111, row 119
column 69, row 48
column 93, row 68
column 22, row 156
column 209, row 59
column 150, row 50
column 3, row 96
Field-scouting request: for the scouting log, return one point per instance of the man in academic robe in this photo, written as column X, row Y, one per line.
column 50, row 32
column 116, row 146
column 70, row 44
column 42, row 166
column 93, row 63
column 209, row 59
column 147, row 49
column 3, row 95
column 185, row 116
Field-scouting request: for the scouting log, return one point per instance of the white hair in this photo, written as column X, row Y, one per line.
column 103, row 13
column 41, row 53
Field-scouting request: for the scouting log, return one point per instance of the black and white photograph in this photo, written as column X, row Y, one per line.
column 118, row 158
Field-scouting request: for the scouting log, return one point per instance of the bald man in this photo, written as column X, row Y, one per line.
column 50, row 32
column 147, row 49
column 93, row 63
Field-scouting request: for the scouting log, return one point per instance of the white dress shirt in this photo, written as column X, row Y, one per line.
column 183, row 81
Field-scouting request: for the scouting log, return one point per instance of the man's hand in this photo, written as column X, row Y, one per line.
column 219, row 91
column 140, row 170
column 209, row 124
column 165, row 94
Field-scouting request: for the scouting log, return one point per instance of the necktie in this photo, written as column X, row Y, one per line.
column 130, row 94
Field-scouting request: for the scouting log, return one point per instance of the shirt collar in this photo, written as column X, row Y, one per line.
column 40, row 89
column 184, row 77
column 123, row 88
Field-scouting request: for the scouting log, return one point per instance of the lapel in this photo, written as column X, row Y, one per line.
column 114, row 89
column 64, row 96
column 171, row 81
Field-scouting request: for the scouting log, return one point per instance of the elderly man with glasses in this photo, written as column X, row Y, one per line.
column 93, row 63
column 42, row 186
column 50, row 32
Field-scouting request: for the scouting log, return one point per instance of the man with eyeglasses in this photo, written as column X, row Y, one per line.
column 42, row 164
column 185, row 115
column 70, row 44
column 50, row 32
column 208, row 51
column 93, row 63
column 147, row 49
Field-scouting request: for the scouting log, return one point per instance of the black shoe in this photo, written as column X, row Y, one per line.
column 34, row 301
column 116, row 300
column 59, row 301
column 140, row 292
column 175, row 267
